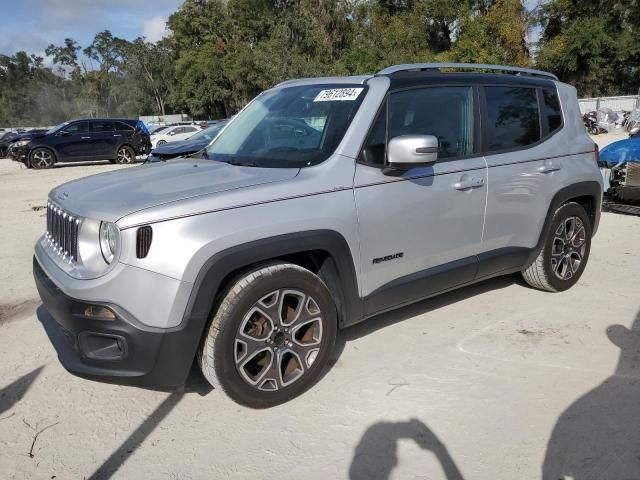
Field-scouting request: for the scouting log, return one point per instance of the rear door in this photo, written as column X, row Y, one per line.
column 420, row 230
column 525, row 169
column 103, row 139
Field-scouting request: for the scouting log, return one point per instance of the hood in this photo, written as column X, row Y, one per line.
column 176, row 148
column 113, row 195
column 27, row 136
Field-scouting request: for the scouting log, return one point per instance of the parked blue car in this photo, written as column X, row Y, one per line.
column 191, row 145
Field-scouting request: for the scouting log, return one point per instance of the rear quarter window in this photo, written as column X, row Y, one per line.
column 552, row 113
column 123, row 127
column 512, row 118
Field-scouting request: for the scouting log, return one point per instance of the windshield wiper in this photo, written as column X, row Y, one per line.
column 241, row 164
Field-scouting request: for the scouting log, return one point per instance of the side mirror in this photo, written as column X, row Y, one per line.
column 65, row 134
column 172, row 133
column 407, row 151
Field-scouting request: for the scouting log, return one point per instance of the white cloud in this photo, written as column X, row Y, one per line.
column 155, row 29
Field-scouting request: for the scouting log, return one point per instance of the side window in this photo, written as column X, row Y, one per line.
column 189, row 129
column 445, row 112
column 513, row 119
column 374, row 148
column 177, row 130
column 123, row 127
column 552, row 110
column 77, row 128
column 101, row 126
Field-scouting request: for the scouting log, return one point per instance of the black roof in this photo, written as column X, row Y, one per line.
column 128, row 120
column 407, row 79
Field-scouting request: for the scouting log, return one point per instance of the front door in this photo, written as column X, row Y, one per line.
column 73, row 142
column 421, row 229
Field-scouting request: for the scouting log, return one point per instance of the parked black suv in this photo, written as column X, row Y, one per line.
column 116, row 140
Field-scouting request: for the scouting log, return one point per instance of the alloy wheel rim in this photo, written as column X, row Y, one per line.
column 278, row 339
column 42, row 158
column 568, row 248
column 124, row 156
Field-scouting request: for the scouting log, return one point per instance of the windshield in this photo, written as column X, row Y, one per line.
column 57, row 127
column 289, row 127
column 207, row 134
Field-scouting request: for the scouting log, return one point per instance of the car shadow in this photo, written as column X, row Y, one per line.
column 401, row 314
column 598, row 436
column 11, row 394
column 376, row 455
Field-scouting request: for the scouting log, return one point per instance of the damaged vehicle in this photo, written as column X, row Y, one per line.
column 620, row 166
column 113, row 139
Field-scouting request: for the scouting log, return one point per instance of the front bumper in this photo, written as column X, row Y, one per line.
column 17, row 154
column 116, row 351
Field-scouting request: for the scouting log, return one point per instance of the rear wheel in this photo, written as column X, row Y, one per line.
column 125, row 155
column 42, row 158
column 565, row 251
column 271, row 336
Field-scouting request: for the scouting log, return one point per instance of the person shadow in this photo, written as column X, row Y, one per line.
column 376, row 456
column 598, row 436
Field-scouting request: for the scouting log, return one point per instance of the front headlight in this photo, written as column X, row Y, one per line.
column 21, row 143
column 109, row 241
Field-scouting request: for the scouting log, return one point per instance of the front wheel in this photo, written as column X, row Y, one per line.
column 271, row 336
column 42, row 158
column 565, row 251
column 125, row 155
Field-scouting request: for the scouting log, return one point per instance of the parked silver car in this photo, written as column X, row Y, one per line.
column 324, row 202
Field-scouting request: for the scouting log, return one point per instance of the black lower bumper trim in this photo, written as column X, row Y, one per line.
column 114, row 351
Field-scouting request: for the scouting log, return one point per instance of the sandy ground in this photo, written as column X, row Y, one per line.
column 467, row 385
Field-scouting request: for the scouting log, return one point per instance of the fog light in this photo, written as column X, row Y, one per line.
column 100, row 313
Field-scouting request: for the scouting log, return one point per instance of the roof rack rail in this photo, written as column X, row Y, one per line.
column 469, row 66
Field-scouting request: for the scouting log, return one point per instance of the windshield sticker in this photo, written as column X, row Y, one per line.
column 338, row 94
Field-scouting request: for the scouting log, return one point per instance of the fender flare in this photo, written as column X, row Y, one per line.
column 590, row 189
column 219, row 266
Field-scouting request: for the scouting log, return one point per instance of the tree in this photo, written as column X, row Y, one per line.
column 593, row 44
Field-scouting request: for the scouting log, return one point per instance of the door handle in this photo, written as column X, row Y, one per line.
column 84, row 138
column 467, row 183
column 117, row 135
column 548, row 167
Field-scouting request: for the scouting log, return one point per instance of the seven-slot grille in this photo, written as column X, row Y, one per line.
column 62, row 232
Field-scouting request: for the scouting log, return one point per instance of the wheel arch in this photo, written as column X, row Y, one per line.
column 53, row 151
column 323, row 252
column 587, row 194
column 125, row 144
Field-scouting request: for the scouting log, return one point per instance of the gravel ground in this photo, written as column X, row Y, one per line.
column 467, row 385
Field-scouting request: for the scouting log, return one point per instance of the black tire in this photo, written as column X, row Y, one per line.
column 556, row 267
column 42, row 158
column 232, row 367
column 125, row 155
column 161, row 142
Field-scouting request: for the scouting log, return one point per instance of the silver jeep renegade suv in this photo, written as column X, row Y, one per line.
column 325, row 201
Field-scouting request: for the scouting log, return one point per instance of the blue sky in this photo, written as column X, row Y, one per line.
column 32, row 25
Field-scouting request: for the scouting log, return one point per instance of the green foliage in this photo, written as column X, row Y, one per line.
column 593, row 44
column 221, row 53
